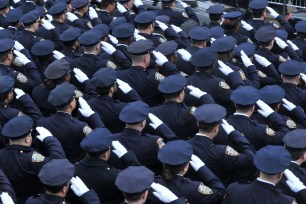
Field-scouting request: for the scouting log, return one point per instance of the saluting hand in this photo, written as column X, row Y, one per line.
column 6, row 198
column 163, row 193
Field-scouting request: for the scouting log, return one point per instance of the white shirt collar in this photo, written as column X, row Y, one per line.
column 122, row 44
column 241, row 114
column 264, row 181
column 295, row 162
column 199, row 134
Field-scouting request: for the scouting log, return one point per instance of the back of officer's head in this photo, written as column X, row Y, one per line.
column 295, row 144
column 290, row 71
column 6, row 89
column 204, row 60
column 55, row 176
column 140, row 52
column 134, row 183
column 225, row 46
column 6, row 51
column 173, row 88
column 245, row 99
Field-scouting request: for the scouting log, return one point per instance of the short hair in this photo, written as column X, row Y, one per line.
column 104, row 4
column 133, row 197
column 3, row 55
column 96, row 155
column 64, row 106
column 215, row 17
column 55, row 189
column 257, row 13
column 208, row 127
column 197, row 42
column 169, row 171
column 295, row 153
column 243, row 108
column 264, row 44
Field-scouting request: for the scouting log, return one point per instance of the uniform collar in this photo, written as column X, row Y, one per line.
column 294, row 162
column 203, row 136
column 241, row 114
column 19, row 147
column 54, row 198
column 89, row 161
column 264, row 181
column 131, row 131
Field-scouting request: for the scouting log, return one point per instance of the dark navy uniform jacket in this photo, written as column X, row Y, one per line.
column 228, row 163
column 123, row 49
column 301, row 44
column 27, row 106
column 208, row 189
column 100, row 176
column 255, row 192
column 89, row 197
column 27, row 38
column 3, row 22
column 259, row 135
column 177, row 17
column 26, row 80
column 295, row 94
column 109, row 110
column 145, row 82
column 179, row 118
column 107, row 17
column 6, row 186
column 70, row 132
column 21, row 164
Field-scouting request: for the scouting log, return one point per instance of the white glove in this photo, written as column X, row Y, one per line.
column 5, row 197
column 18, row 92
column 212, row 40
column 99, row 1
column 163, row 193
column 162, row 25
column 246, row 26
column 121, row 8
column 16, row 1
column 184, row 54
column 196, row 162
column 108, row 48
column 272, row 12
column 123, row 86
column 49, row 17
column 245, row 59
column 227, row 127
column 160, row 58
column 139, row 37
column 294, row 47
column 264, row 109
column 47, row 25
column 136, row 31
column 196, row 92
column 1, row 28
column 85, row 109
column 177, row 29
column 226, row 70
column 119, row 149
column 78, row 186
column 262, row 60
column 58, row 55
column 21, row 57
column 288, row 105
column 79, row 75
column 113, row 39
column 43, row 133
column 92, row 13
column 18, row 46
column 293, row 182
column 303, row 76
column 282, row 44
column 155, row 121
column 138, row 3
column 182, row 3
column 71, row 16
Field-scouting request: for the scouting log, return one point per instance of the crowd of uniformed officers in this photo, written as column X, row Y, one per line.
column 104, row 101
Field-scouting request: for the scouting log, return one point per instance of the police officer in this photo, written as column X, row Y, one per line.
column 264, row 188
column 13, row 18
column 299, row 41
column 204, row 62
column 134, row 183
column 26, row 81
column 19, row 161
column 215, row 15
column 259, row 135
column 81, row 9
column 198, row 39
column 71, row 45
column 7, row 92
column 56, row 176
column 175, row 167
column 144, row 145
column 4, row 9
column 229, row 163
column 259, row 10
column 106, row 83
column 94, row 169
column 290, row 73
column 177, row 17
column 130, row 6
column 90, row 61
column 144, row 81
column 73, row 130
column 174, row 112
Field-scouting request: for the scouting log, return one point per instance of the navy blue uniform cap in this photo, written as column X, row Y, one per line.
column 200, row 33
column 42, row 48
column 79, row 3
column 4, row 4
column 6, row 83
column 62, row 94
column 17, row 126
column 210, row 113
column 216, row 32
column 57, row 69
column 58, row 8
column 290, row 68
column 204, row 57
column 123, row 30
column 146, row 17
column 140, row 47
column 100, row 139
column 265, row 34
column 215, row 9
column 272, row 159
column 301, row 26
column 14, row 15
column 30, row 17
column 247, row 47
column 70, row 34
column 295, row 139
column 172, row 84
column 134, row 112
column 167, row 48
column 89, row 38
column 224, row 44
column 6, row 44
column 104, row 77
column 272, row 94
column 245, row 95
column 258, row 4
column 232, row 15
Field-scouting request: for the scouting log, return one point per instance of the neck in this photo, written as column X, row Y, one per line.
column 30, row 29
column 248, row 114
column 207, row 134
column 139, row 65
column 60, row 194
column 290, row 82
column 146, row 31
column 135, row 202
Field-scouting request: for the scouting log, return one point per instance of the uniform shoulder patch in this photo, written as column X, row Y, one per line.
column 111, row 64
column 87, row 129
column 22, row 78
column 269, row 131
column 204, row 189
column 224, row 85
column 230, row 151
column 261, row 74
column 160, row 142
column 290, row 123
column 159, row 77
column 36, row 157
column 243, row 77
column 192, row 109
